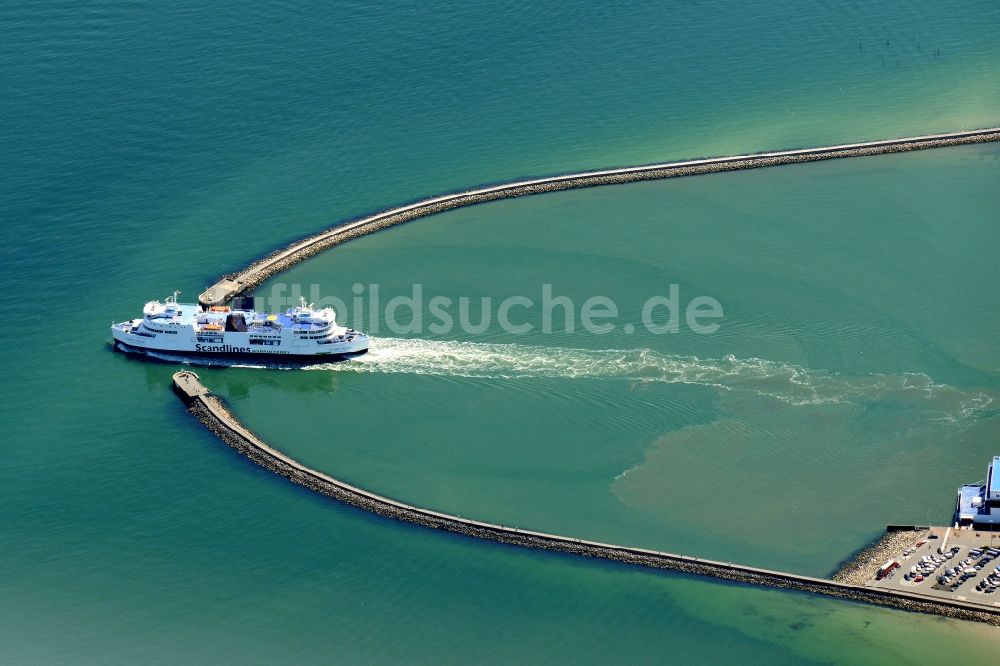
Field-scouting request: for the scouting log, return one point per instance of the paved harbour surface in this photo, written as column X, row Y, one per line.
column 964, row 549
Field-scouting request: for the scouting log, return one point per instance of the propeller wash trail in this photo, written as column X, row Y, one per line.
column 786, row 382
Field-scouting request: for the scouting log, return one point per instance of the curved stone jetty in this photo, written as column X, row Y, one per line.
column 254, row 274
column 211, row 412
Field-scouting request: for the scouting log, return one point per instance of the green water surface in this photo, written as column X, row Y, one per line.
column 853, row 381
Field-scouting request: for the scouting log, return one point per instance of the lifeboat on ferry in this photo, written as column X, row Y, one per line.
column 219, row 308
column 212, row 327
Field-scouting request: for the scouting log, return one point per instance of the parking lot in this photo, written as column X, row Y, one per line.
column 968, row 570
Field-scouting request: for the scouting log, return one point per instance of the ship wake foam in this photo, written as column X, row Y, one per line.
column 789, row 383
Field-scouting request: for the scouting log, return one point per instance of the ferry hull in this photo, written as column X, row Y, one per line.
column 174, row 355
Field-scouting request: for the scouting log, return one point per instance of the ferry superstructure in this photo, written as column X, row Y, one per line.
column 978, row 504
column 189, row 329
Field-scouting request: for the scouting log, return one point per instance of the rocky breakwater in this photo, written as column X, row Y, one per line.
column 242, row 281
column 213, row 414
column 862, row 567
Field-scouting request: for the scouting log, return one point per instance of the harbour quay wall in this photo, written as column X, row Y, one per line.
column 209, row 409
column 257, row 272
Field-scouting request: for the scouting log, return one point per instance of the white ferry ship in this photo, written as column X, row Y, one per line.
column 188, row 329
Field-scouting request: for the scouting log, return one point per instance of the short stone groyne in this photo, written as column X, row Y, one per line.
column 212, row 413
column 242, row 281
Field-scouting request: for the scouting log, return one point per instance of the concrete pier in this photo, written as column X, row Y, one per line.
column 254, row 274
column 213, row 414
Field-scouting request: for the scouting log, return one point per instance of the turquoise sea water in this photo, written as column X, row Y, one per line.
column 854, row 380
